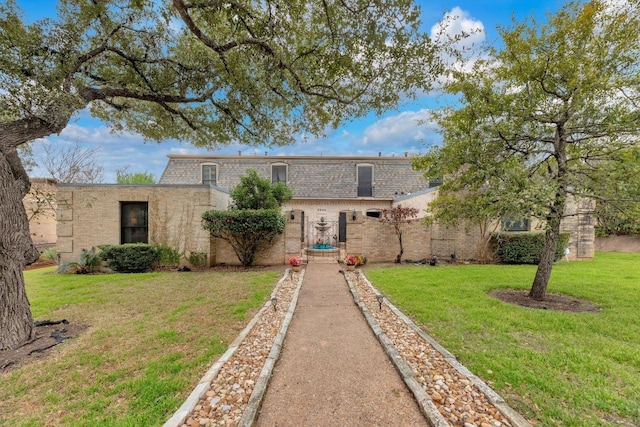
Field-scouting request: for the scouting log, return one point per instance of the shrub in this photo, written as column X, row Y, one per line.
column 130, row 257
column 247, row 231
column 49, row 254
column 89, row 262
column 198, row 259
column 167, row 256
column 524, row 248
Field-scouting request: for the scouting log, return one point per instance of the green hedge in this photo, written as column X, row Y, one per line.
column 247, row 231
column 523, row 247
column 130, row 257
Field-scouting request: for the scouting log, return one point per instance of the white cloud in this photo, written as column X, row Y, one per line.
column 463, row 37
column 405, row 131
column 455, row 24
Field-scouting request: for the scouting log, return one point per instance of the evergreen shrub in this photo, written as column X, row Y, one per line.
column 524, row 247
column 130, row 257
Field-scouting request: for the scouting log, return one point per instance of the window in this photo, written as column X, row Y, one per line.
column 510, row 224
column 209, row 174
column 342, row 227
column 134, row 222
column 374, row 214
column 279, row 174
column 365, row 181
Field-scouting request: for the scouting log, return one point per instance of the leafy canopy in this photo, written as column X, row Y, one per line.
column 553, row 113
column 254, row 192
column 211, row 73
column 125, row 177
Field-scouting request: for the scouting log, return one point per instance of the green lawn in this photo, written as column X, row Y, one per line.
column 150, row 338
column 564, row 369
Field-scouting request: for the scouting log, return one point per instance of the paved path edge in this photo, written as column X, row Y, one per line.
column 179, row 417
column 408, row 375
column 428, row 408
column 252, row 410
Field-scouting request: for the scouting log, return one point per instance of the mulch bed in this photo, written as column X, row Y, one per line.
column 48, row 335
column 551, row 302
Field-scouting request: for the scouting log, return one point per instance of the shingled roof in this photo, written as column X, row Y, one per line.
column 310, row 177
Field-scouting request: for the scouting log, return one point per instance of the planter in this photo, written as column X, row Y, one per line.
column 351, row 267
column 295, row 268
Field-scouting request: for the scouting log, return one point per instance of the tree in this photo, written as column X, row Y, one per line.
column 124, row 177
column 397, row 217
column 71, row 164
column 552, row 114
column 209, row 73
column 254, row 192
column 247, row 231
column 255, row 220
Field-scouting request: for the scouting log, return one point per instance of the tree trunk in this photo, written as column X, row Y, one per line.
column 16, row 252
column 399, row 256
column 543, row 273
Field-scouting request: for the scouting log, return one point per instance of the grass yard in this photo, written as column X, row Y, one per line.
column 150, row 338
column 556, row 368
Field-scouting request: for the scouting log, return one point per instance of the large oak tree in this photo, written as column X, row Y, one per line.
column 209, row 72
column 552, row 113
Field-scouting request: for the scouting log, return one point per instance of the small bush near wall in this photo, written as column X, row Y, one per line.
column 523, row 248
column 168, row 257
column 198, row 259
column 130, row 258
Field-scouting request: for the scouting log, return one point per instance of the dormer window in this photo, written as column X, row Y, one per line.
column 365, row 180
column 279, row 174
column 209, row 174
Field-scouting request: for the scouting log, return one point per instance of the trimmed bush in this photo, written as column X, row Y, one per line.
column 168, row 257
column 130, row 257
column 524, row 248
column 198, row 259
column 247, row 231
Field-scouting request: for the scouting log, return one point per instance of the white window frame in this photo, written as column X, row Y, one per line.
column 202, row 165
column 286, row 172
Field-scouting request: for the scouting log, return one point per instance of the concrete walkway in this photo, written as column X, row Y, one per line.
column 332, row 370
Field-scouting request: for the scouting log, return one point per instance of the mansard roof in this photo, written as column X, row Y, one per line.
column 325, row 177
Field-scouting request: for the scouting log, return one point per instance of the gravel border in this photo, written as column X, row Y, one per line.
column 421, row 379
column 445, row 390
column 202, row 392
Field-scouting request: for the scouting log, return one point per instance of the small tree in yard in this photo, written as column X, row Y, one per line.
column 550, row 115
column 398, row 217
column 247, row 231
column 255, row 220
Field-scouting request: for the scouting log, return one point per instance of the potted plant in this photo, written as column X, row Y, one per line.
column 295, row 263
column 351, row 261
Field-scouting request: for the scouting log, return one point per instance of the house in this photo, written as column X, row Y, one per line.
column 40, row 205
column 335, row 209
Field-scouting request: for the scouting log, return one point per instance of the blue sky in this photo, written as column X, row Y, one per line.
column 394, row 133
